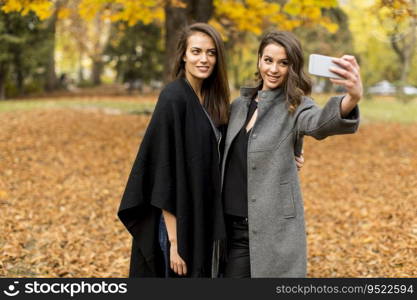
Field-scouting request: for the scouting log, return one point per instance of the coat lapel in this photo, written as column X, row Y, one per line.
column 192, row 94
column 236, row 121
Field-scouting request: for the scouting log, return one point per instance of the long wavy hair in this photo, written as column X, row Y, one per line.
column 215, row 88
column 297, row 83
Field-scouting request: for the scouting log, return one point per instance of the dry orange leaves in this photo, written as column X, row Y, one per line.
column 62, row 174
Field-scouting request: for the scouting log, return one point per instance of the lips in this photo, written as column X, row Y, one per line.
column 203, row 68
column 273, row 78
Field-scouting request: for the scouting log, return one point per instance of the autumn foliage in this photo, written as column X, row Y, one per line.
column 247, row 16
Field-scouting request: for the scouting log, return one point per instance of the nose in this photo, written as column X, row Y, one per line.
column 203, row 58
column 274, row 68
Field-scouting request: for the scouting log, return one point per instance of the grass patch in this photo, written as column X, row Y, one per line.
column 381, row 109
column 375, row 110
column 378, row 109
column 120, row 105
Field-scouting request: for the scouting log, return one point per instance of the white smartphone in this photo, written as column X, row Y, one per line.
column 320, row 64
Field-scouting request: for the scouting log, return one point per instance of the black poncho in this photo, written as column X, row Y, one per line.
column 177, row 169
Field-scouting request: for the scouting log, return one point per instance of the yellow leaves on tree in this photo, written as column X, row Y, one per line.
column 131, row 11
column 42, row 8
column 64, row 13
column 247, row 15
column 134, row 11
column 395, row 16
column 252, row 16
column 255, row 16
column 309, row 13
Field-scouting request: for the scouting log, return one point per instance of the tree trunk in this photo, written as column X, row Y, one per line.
column 237, row 69
column 80, row 67
column 177, row 18
column 199, row 10
column 102, row 31
column 51, row 82
column 17, row 57
column 405, row 54
column 409, row 48
column 96, row 71
column 3, row 77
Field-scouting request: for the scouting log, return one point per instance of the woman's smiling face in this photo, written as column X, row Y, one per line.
column 273, row 66
column 200, row 56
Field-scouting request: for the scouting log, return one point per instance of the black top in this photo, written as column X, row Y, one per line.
column 235, row 195
column 177, row 169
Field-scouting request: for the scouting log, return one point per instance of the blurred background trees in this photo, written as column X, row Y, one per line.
column 136, row 54
column 25, row 46
column 47, row 44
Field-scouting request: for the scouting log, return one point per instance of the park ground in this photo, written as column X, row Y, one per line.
column 64, row 163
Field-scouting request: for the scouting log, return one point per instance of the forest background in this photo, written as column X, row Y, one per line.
column 47, row 44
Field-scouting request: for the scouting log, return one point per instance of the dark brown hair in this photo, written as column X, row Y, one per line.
column 297, row 83
column 215, row 88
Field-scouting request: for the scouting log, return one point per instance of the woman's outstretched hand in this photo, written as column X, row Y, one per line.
column 352, row 82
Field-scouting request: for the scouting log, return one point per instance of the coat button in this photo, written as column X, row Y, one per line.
column 254, row 136
column 253, row 167
column 253, row 200
column 254, row 232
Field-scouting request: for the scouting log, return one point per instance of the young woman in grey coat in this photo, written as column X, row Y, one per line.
column 261, row 190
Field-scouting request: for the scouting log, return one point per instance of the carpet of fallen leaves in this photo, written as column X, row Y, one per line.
column 62, row 174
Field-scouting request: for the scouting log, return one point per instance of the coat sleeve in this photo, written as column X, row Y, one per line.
column 323, row 122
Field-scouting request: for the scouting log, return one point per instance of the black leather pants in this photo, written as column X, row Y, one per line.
column 237, row 261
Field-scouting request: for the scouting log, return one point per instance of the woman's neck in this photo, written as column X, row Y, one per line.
column 196, row 84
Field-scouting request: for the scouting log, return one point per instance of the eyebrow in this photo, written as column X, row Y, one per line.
column 267, row 56
column 197, row 48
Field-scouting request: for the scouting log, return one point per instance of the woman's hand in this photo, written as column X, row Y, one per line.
column 177, row 264
column 352, row 82
column 299, row 161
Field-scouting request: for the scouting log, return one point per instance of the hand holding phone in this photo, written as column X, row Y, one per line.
column 320, row 65
column 345, row 72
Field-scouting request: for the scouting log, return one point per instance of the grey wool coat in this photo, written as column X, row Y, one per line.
column 277, row 238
